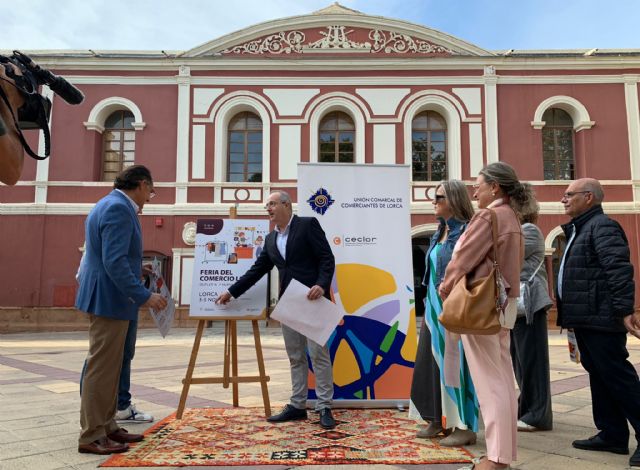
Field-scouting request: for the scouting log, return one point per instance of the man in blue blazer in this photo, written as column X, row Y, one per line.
column 111, row 292
column 299, row 249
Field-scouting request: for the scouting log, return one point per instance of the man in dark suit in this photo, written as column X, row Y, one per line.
column 596, row 297
column 111, row 292
column 299, row 249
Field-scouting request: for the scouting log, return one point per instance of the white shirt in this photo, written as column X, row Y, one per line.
column 135, row 206
column 281, row 238
column 564, row 256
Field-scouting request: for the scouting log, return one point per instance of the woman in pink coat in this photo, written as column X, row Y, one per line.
column 497, row 188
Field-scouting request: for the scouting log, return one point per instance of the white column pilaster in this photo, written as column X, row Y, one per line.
column 42, row 167
column 633, row 130
column 182, row 150
column 176, row 267
column 491, row 113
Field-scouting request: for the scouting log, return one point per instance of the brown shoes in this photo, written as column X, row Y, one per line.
column 114, row 443
column 123, row 436
column 103, row 446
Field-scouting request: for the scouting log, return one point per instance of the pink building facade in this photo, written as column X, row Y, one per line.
column 223, row 124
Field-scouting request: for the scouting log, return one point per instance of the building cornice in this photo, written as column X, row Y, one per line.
column 346, row 80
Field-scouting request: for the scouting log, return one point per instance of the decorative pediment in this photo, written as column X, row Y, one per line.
column 338, row 38
column 336, row 30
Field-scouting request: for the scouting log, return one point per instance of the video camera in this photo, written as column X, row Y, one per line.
column 36, row 109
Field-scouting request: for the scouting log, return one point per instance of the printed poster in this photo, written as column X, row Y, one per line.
column 224, row 250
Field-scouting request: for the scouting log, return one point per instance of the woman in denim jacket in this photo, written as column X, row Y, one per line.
column 445, row 408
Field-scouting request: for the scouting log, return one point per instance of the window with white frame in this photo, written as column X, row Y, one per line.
column 429, row 147
column 244, row 157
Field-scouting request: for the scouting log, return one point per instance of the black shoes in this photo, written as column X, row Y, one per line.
column 288, row 413
column 599, row 444
column 634, row 461
column 326, row 419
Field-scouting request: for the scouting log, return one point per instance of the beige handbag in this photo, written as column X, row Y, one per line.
column 475, row 309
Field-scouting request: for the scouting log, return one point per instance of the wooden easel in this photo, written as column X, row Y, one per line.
column 230, row 358
column 230, row 371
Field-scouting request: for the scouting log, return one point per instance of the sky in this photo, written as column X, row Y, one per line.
column 184, row 24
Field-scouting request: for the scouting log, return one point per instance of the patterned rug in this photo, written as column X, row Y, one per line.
column 242, row 436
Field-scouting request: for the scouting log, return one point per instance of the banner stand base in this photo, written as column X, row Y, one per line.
column 400, row 404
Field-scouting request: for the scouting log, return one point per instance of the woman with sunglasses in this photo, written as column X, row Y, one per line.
column 451, row 410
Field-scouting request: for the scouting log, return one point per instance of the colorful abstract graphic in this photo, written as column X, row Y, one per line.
column 372, row 356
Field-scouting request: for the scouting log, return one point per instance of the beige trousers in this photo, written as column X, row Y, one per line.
column 489, row 362
column 100, row 384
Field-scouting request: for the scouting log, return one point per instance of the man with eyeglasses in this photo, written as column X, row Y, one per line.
column 111, row 291
column 595, row 296
column 299, row 249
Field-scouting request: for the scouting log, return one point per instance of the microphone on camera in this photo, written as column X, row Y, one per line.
column 64, row 89
column 58, row 85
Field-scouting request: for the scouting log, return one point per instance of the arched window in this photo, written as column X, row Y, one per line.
column 118, row 144
column 337, row 138
column 557, row 145
column 429, row 147
column 244, row 163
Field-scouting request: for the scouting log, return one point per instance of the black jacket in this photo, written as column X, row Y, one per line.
column 597, row 284
column 309, row 259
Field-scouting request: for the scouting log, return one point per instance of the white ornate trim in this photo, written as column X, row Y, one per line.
column 402, row 43
column 221, row 115
column 575, row 108
column 451, row 110
column 189, row 233
column 102, row 110
column 310, row 21
column 337, row 101
column 335, row 38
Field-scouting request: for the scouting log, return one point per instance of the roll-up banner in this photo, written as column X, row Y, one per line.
column 365, row 213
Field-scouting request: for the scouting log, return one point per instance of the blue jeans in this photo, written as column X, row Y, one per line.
column 124, row 396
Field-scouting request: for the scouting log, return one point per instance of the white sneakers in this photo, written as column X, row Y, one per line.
column 132, row 415
column 524, row 427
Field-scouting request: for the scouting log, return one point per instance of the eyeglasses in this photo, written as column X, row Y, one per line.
column 570, row 194
column 271, row 204
column 439, row 198
column 152, row 192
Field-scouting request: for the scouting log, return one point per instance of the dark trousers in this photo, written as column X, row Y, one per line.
column 425, row 386
column 124, row 383
column 530, row 357
column 615, row 388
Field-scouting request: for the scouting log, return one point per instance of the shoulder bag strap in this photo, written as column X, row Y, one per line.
column 537, row 269
column 494, row 236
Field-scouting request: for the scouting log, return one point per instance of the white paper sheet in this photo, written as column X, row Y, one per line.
column 316, row 319
column 162, row 318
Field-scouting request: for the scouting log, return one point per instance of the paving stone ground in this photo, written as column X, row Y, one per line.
column 40, row 404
